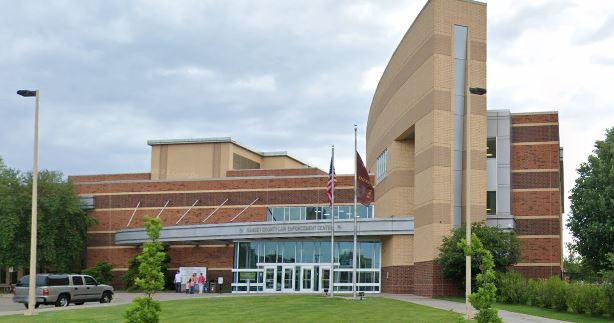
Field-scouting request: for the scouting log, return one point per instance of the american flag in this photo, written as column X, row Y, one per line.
column 332, row 177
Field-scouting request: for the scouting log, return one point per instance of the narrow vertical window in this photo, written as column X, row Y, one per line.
column 491, row 147
column 381, row 166
column 491, row 202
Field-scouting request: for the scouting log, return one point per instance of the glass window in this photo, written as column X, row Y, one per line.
column 345, row 254
column 326, row 213
column 90, row 281
column 308, row 251
column 491, row 202
column 324, row 251
column 344, row 212
column 270, row 249
column 381, row 166
column 295, row 214
column 57, row 280
column 311, row 213
column 365, row 255
column 77, row 280
column 491, row 148
column 278, row 214
column 289, row 251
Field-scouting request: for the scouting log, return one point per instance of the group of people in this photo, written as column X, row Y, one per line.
column 195, row 283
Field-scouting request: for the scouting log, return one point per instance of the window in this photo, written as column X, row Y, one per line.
column 491, row 148
column 381, row 166
column 58, row 280
column 77, row 280
column 90, row 281
column 491, row 202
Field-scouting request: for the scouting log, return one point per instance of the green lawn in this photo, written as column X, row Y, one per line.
column 263, row 309
column 543, row 312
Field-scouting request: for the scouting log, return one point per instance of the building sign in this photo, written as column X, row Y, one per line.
column 287, row 228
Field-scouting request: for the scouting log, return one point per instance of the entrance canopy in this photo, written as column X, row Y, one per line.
column 270, row 230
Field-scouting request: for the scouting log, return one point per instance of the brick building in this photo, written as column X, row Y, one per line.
column 260, row 220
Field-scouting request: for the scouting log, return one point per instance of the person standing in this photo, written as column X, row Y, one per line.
column 201, row 283
column 178, row 282
column 188, row 286
column 194, row 283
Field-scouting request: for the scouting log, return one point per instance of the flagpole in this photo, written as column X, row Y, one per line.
column 332, row 226
column 354, row 256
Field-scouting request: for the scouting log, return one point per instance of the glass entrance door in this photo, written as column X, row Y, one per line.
column 270, row 273
column 306, row 279
column 325, row 278
column 288, row 279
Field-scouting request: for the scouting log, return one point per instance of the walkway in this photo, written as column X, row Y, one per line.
column 507, row 316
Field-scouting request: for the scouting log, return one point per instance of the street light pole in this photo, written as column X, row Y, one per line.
column 34, row 225
column 476, row 91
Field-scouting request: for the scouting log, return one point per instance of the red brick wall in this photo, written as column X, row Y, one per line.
column 397, row 279
column 116, row 200
column 536, row 193
column 109, row 177
column 428, row 281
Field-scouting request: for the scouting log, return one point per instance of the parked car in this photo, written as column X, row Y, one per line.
column 63, row 289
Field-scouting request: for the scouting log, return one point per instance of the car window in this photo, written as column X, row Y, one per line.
column 58, row 280
column 89, row 280
column 77, row 280
column 25, row 281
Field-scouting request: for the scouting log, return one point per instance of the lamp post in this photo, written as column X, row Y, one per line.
column 33, row 229
column 476, row 91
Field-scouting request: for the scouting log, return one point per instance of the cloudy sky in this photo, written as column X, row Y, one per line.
column 274, row 75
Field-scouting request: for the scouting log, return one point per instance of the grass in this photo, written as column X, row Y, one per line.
column 262, row 309
column 542, row 312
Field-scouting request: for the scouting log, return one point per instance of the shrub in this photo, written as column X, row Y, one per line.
column 101, row 272
column 608, row 290
column 594, row 298
column 554, row 294
column 504, row 247
column 143, row 310
column 511, row 288
column 587, row 298
column 535, row 291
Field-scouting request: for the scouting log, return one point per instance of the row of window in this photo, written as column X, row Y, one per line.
column 248, row 254
column 308, row 213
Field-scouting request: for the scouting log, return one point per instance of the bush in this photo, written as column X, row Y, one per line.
column 143, row 310
column 587, row 298
column 504, row 247
column 535, row 293
column 554, row 294
column 511, row 288
column 101, row 272
column 608, row 290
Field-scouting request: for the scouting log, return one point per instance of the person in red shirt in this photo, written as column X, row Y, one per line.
column 201, row 283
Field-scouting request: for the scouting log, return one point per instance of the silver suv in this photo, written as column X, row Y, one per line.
column 63, row 289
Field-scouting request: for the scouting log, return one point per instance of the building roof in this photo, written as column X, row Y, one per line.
column 210, row 140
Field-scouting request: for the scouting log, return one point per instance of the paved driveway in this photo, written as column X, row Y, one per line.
column 7, row 307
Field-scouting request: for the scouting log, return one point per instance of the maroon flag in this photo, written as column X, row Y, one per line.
column 364, row 189
column 332, row 180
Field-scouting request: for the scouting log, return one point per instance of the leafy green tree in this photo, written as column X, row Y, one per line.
column 62, row 225
column 504, row 247
column 12, row 217
column 101, row 272
column 133, row 272
column 591, row 219
column 486, row 294
column 150, row 278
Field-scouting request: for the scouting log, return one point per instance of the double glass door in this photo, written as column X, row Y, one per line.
column 307, row 279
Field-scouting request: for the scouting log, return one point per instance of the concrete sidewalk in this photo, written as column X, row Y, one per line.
column 507, row 316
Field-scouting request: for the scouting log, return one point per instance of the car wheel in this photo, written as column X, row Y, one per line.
column 106, row 297
column 63, row 301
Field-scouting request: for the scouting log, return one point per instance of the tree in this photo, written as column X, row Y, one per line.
column 101, row 272
column 486, row 294
column 150, row 278
column 591, row 219
column 62, row 225
column 504, row 247
column 133, row 272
